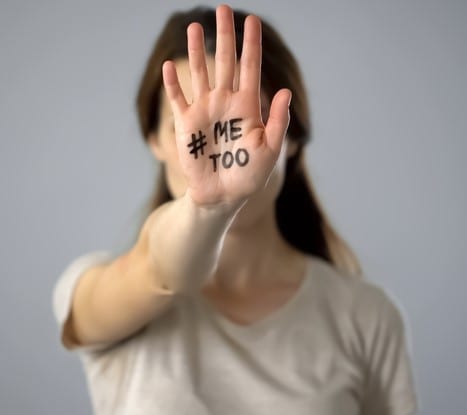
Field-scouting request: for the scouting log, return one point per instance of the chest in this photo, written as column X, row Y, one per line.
column 252, row 308
column 187, row 360
column 287, row 373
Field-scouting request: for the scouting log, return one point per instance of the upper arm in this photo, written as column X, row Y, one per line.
column 101, row 300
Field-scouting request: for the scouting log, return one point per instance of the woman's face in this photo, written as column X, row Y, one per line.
column 163, row 146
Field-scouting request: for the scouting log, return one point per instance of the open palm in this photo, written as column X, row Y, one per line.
column 225, row 150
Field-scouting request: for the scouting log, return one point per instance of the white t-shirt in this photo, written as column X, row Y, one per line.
column 338, row 347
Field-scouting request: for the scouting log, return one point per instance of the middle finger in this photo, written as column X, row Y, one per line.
column 225, row 58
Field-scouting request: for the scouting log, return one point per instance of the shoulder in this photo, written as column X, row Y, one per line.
column 366, row 303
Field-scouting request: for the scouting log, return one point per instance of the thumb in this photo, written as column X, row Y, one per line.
column 278, row 120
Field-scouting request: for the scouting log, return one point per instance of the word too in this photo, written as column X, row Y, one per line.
column 230, row 131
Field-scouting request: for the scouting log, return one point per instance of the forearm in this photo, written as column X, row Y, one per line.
column 178, row 248
column 184, row 240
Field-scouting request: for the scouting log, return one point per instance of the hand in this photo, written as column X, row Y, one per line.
column 225, row 150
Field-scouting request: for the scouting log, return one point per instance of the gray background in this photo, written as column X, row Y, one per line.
column 387, row 83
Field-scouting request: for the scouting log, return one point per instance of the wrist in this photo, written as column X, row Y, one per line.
column 223, row 209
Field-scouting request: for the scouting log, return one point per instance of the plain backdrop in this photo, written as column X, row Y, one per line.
column 387, row 87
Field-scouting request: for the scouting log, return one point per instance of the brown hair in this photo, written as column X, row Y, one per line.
column 299, row 214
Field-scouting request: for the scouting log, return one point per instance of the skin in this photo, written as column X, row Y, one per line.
column 164, row 149
column 219, row 234
column 257, row 268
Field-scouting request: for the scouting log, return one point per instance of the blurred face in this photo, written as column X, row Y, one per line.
column 163, row 146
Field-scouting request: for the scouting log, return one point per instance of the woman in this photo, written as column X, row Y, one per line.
column 237, row 296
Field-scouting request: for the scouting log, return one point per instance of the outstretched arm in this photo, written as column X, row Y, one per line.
column 226, row 153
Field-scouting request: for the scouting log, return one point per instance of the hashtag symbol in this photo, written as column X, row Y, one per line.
column 197, row 144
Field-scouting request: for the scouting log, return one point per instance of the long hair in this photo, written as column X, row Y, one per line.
column 299, row 214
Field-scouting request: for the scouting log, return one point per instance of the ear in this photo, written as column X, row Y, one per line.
column 155, row 147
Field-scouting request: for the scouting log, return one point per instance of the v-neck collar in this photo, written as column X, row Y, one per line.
column 269, row 320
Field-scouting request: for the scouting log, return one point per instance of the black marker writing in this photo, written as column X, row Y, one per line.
column 220, row 129
column 227, row 129
column 235, row 131
column 241, row 157
column 214, row 158
column 197, row 144
column 246, row 157
column 230, row 130
column 227, row 159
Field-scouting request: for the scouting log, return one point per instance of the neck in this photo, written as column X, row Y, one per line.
column 256, row 255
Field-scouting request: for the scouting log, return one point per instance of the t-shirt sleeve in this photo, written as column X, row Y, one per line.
column 63, row 295
column 390, row 387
